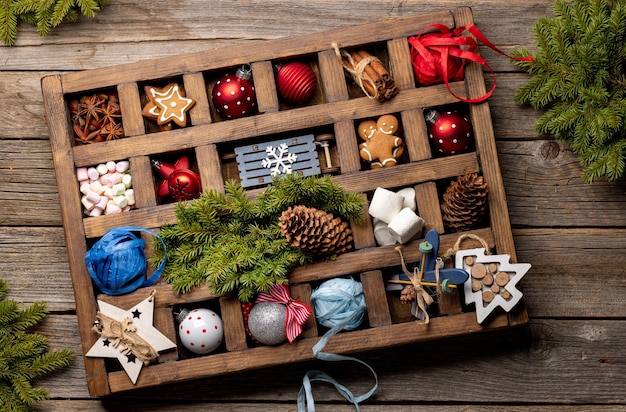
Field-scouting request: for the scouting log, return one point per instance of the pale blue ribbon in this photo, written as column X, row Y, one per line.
column 306, row 402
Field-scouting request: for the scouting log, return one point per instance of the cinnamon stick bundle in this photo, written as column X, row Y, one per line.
column 370, row 74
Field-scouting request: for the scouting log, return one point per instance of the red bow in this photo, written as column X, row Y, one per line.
column 438, row 57
column 297, row 312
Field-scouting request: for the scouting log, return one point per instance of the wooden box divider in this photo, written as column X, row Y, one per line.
column 337, row 108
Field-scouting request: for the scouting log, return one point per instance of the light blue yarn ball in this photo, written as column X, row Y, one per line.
column 338, row 301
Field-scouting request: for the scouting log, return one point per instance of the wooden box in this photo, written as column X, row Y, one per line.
column 209, row 139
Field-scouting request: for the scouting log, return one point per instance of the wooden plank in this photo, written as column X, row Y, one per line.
column 333, row 79
column 301, row 350
column 132, row 120
column 375, row 298
column 415, row 135
column 363, row 234
column 195, row 88
column 141, row 169
column 74, row 235
column 234, row 332
column 428, row 206
column 400, row 66
column 234, row 56
column 208, row 159
column 265, row 86
column 566, row 361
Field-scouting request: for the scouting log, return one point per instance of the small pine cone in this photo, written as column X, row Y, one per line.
column 315, row 231
column 464, row 202
column 408, row 294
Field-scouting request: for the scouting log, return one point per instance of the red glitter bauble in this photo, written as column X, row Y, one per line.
column 449, row 132
column 233, row 94
column 296, row 82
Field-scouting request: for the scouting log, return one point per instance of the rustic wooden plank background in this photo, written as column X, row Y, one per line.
column 571, row 356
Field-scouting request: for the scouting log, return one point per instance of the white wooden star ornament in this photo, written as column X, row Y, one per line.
column 492, row 282
column 129, row 336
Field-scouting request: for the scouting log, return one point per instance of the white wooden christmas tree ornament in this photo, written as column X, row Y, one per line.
column 492, row 282
column 129, row 336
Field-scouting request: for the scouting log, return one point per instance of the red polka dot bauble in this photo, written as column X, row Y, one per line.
column 201, row 331
column 296, row 82
column 233, row 94
column 449, row 132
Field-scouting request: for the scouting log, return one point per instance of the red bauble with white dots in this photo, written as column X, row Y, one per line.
column 296, row 82
column 234, row 95
column 201, row 331
column 449, row 132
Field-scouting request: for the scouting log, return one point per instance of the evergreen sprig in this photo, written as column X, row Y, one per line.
column 233, row 242
column 24, row 356
column 579, row 78
column 43, row 14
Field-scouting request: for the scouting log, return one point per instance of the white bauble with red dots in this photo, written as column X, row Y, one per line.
column 449, row 132
column 233, row 94
column 201, row 331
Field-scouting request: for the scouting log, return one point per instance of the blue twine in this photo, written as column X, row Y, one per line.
column 117, row 262
column 340, row 305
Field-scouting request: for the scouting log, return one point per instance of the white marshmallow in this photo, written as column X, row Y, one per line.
column 86, row 203
column 122, row 166
column 408, row 193
column 93, row 197
column 102, row 169
column 130, row 196
column 385, row 204
column 93, row 173
column 112, row 208
column 110, row 166
column 96, row 187
column 406, row 225
column 85, row 188
column 118, row 189
column 121, row 201
column 127, row 180
column 81, row 174
column 382, row 235
column 115, row 177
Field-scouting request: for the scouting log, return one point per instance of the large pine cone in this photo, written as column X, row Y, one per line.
column 315, row 231
column 464, row 202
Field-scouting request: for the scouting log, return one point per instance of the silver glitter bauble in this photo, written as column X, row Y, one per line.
column 267, row 322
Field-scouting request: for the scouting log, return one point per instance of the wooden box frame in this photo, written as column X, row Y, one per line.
column 335, row 109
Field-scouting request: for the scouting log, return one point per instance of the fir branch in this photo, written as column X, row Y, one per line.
column 43, row 14
column 577, row 77
column 233, row 243
column 24, row 355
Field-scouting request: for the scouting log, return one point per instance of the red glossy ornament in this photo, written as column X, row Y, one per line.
column 296, row 82
column 449, row 132
column 179, row 182
column 233, row 94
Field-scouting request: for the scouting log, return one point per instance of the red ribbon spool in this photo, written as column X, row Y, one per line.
column 441, row 57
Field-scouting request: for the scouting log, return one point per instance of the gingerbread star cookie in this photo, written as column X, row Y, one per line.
column 167, row 105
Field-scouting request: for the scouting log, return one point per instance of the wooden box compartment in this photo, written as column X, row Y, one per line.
column 209, row 140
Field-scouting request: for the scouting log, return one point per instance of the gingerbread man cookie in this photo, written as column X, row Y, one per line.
column 167, row 105
column 381, row 147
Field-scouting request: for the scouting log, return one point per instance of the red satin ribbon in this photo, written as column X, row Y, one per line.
column 297, row 312
column 442, row 56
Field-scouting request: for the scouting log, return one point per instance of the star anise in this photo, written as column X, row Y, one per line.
column 90, row 108
column 110, row 113
column 112, row 131
column 84, row 135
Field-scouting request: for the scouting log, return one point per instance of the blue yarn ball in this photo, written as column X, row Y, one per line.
column 339, row 302
column 117, row 262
